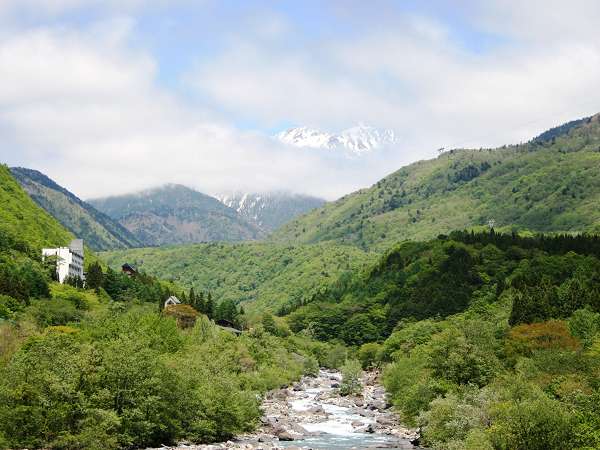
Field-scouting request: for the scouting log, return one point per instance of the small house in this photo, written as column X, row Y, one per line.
column 128, row 270
column 172, row 300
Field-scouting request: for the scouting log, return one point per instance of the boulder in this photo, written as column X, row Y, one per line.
column 285, row 436
column 385, row 420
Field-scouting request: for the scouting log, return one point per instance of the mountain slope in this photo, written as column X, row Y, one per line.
column 98, row 230
column 175, row 214
column 357, row 140
column 269, row 276
column 548, row 184
column 21, row 219
column 270, row 210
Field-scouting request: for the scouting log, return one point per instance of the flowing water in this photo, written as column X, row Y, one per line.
column 339, row 430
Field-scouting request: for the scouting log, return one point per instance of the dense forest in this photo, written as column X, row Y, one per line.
column 487, row 340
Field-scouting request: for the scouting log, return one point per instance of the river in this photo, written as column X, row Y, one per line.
column 311, row 414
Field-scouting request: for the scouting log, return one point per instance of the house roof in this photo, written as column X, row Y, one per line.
column 128, row 266
column 173, row 299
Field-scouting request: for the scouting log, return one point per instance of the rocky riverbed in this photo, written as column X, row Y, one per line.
column 312, row 414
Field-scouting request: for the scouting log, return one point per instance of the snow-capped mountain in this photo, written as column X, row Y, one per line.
column 269, row 210
column 356, row 140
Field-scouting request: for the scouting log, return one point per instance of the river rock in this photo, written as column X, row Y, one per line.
column 285, row 436
column 385, row 420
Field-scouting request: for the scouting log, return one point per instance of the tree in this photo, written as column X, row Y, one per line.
column 268, row 323
column 209, row 308
column 95, row 276
column 192, row 298
column 351, row 372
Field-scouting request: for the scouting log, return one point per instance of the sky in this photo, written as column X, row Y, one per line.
column 112, row 96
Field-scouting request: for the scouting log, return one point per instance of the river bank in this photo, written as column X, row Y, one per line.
column 311, row 414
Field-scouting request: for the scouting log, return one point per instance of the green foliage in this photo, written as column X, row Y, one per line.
column 351, row 372
column 133, row 379
column 23, row 225
column 265, row 276
column 369, row 355
column 95, row 276
column 584, row 324
column 542, row 276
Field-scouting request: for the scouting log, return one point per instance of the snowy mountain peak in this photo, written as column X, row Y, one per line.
column 357, row 140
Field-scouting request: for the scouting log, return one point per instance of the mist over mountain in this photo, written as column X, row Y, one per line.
column 175, row 214
column 270, row 210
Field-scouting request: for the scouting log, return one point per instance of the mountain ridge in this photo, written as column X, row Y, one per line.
column 527, row 186
column 269, row 210
column 176, row 214
column 98, row 230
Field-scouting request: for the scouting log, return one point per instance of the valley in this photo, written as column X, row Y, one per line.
column 459, row 290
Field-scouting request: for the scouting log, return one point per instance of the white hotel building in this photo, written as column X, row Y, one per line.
column 69, row 260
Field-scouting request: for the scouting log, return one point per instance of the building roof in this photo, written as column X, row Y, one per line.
column 128, row 266
column 76, row 246
column 173, row 299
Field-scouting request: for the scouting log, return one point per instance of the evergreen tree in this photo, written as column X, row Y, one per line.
column 95, row 276
column 210, row 306
column 192, row 298
column 268, row 323
column 200, row 302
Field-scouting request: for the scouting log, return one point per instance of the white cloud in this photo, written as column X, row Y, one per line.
column 89, row 109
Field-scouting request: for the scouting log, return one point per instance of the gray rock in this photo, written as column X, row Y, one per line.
column 285, row 436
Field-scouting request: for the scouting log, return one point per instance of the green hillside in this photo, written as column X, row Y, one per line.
column 270, row 275
column 98, row 230
column 548, row 184
column 22, row 219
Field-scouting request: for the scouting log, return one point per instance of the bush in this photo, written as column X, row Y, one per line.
column 454, row 356
column 54, row 312
column 585, row 325
column 351, row 372
column 527, row 339
column 369, row 355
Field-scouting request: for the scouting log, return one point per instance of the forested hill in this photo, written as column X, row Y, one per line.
column 548, row 184
column 486, row 340
column 98, row 230
column 545, row 277
column 21, row 219
column 175, row 214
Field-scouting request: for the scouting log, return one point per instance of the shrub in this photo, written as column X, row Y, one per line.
column 351, row 372
column 369, row 355
column 527, row 339
column 54, row 312
column 184, row 314
column 585, row 325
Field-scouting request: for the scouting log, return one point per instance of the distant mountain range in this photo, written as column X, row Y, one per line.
column 355, row 141
column 171, row 214
column 270, row 210
column 99, row 231
column 176, row 214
